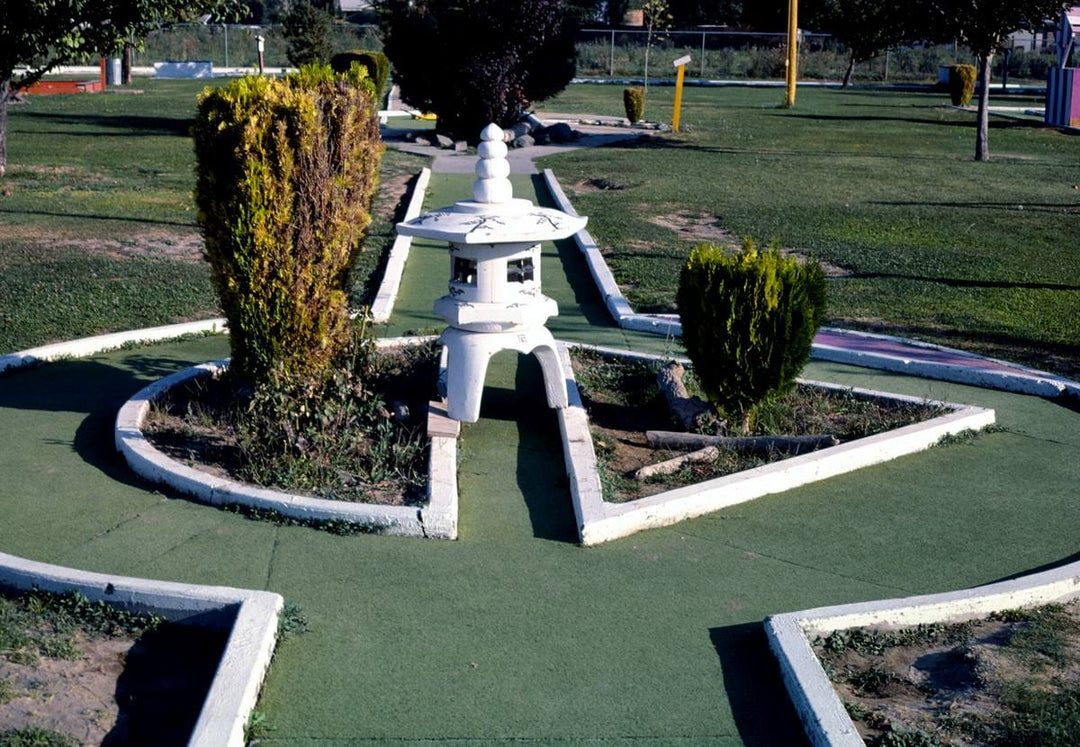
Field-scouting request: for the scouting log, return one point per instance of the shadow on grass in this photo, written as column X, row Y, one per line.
column 90, row 387
column 995, row 124
column 957, row 282
column 760, row 705
column 1045, row 567
column 1054, row 208
column 90, row 216
column 647, row 142
column 132, row 125
column 166, row 677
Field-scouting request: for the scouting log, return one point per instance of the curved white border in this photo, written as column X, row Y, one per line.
column 437, row 519
column 383, row 305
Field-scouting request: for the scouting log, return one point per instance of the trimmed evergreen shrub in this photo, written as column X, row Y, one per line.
column 377, row 64
column 633, row 100
column 286, row 172
column 961, row 83
column 308, row 32
column 748, row 319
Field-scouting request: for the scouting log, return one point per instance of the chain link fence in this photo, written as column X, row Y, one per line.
column 618, row 53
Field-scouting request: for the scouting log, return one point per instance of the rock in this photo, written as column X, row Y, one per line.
column 422, row 141
column 560, row 133
column 515, row 131
column 444, row 141
column 540, row 137
column 461, row 146
column 524, row 141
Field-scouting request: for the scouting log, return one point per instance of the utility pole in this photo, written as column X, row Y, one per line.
column 792, row 50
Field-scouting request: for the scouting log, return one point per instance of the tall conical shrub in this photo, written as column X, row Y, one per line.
column 287, row 169
column 748, row 319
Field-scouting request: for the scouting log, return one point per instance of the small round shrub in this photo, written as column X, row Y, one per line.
column 961, row 83
column 376, row 63
column 633, row 100
column 748, row 319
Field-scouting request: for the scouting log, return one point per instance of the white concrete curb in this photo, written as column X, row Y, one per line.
column 383, row 305
column 91, row 345
column 248, row 650
column 437, row 519
column 819, row 707
column 1022, row 380
column 600, row 521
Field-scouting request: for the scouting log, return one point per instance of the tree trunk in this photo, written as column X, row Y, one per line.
column 5, row 88
column 125, row 65
column 848, row 73
column 749, row 444
column 982, row 122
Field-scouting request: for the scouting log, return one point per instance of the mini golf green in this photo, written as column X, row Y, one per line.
column 514, row 633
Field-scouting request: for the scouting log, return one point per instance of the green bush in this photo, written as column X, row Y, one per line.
column 961, row 83
column 633, row 100
column 376, row 63
column 308, row 35
column 748, row 319
column 286, row 172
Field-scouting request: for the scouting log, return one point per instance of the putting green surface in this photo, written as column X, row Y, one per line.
column 514, row 633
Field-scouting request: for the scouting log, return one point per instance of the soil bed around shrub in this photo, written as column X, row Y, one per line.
column 77, row 672
column 199, row 424
column 1012, row 678
column 623, row 402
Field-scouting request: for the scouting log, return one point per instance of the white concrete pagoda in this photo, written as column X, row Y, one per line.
column 494, row 301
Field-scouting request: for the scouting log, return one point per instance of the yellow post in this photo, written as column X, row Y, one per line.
column 792, row 50
column 680, row 65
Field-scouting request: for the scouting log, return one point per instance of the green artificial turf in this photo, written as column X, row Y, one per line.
column 880, row 185
column 514, row 632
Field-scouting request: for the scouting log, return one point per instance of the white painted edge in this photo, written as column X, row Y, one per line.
column 87, row 346
column 820, row 709
column 383, row 305
column 600, row 521
column 250, row 646
column 1021, row 380
column 437, row 519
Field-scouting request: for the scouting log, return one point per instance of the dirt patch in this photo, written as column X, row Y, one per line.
column 1010, row 678
column 183, row 247
column 119, row 686
column 700, row 227
column 624, row 402
column 586, row 186
column 375, row 454
column 707, row 228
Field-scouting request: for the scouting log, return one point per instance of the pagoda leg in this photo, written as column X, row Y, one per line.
column 468, row 355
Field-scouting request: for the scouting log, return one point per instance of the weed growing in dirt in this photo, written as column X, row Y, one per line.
column 33, row 736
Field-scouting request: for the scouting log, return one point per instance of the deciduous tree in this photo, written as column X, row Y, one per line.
column 472, row 62
column 43, row 34
column 864, row 27
column 983, row 26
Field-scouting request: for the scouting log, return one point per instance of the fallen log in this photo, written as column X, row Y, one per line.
column 749, row 444
column 686, row 409
column 708, row 454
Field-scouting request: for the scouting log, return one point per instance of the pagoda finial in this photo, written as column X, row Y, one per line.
column 492, row 185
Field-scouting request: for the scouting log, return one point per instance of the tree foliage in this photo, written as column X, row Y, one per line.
column 308, row 32
column 472, row 62
column 43, row 34
column 864, row 27
column 983, row 27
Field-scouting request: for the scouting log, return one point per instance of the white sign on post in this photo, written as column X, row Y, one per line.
column 681, row 61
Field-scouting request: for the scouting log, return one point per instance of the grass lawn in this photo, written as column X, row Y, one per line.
column 925, row 241
column 99, row 231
